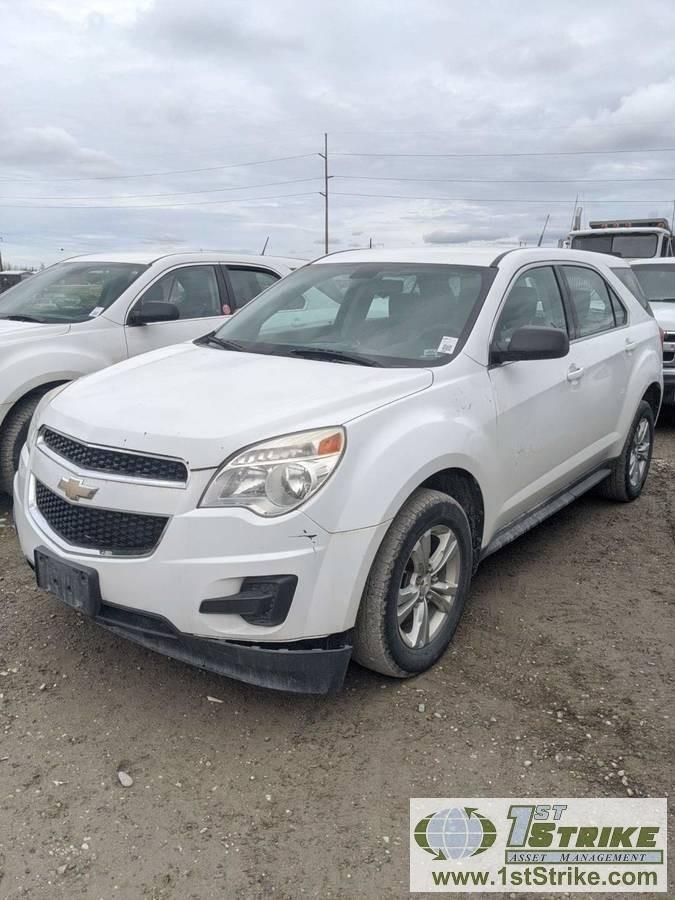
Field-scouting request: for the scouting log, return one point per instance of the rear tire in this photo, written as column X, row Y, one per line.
column 417, row 587
column 630, row 470
column 13, row 437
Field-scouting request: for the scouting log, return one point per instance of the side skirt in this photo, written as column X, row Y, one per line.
column 542, row 512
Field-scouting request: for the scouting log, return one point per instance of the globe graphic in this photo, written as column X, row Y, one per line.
column 457, row 833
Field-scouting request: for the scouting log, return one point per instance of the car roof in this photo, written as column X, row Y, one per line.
column 151, row 256
column 472, row 256
column 15, row 272
column 629, row 229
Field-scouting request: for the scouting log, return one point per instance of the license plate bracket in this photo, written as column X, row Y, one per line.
column 75, row 585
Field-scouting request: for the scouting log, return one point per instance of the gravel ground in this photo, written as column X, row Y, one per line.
column 564, row 660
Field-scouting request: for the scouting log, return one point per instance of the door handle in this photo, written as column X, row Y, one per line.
column 630, row 345
column 574, row 373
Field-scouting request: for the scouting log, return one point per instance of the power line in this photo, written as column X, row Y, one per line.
column 257, row 162
column 170, row 205
column 490, row 199
column 503, row 180
column 499, row 155
column 242, row 187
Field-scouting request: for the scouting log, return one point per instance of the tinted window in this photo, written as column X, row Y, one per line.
column 657, row 282
column 248, row 283
column 393, row 313
column 533, row 300
column 634, row 246
column 69, row 292
column 193, row 290
column 591, row 301
column 600, row 243
column 629, row 279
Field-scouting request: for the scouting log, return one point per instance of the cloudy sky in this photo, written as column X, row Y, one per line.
column 110, row 107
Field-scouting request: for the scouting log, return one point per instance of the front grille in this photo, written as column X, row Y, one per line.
column 99, row 529
column 98, row 459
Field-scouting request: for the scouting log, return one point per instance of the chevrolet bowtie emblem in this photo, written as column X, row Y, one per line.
column 75, row 490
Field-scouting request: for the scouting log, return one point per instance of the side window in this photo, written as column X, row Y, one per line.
column 533, row 300
column 248, row 283
column 591, row 301
column 193, row 290
column 619, row 310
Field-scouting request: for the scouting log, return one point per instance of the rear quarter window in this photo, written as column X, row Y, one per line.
column 628, row 278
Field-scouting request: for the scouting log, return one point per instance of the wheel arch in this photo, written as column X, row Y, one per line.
column 462, row 486
column 653, row 396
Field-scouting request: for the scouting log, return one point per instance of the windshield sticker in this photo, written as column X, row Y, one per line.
column 96, row 312
column 447, row 344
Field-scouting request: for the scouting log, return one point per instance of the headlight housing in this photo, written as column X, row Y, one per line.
column 276, row 476
column 39, row 409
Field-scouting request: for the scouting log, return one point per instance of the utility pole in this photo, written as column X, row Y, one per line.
column 1, row 257
column 324, row 193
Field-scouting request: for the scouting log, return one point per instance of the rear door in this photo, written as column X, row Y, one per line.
column 539, row 442
column 602, row 354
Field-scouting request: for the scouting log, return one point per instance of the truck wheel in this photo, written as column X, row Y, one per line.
column 417, row 587
column 13, row 437
column 630, row 470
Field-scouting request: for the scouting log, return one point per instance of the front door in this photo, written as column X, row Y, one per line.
column 536, row 404
column 195, row 292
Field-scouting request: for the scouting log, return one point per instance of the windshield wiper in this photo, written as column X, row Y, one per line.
column 211, row 338
column 333, row 355
column 18, row 318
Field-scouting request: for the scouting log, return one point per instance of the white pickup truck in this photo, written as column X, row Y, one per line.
column 89, row 312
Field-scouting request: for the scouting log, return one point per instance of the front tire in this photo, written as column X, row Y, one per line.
column 13, row 437
column 417, row 587
column 630, row 470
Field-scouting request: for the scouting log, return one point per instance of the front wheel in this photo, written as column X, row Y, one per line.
column 630, row 470
column 13, row 437
column 417, row 587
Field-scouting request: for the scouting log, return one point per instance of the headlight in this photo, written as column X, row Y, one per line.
column 277, row 476
column 39, row 409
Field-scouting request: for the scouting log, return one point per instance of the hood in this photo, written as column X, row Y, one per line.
column 203, row 404
column 664, row 313
column 17, row 331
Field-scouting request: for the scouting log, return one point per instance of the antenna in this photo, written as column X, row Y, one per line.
column 543, row 230
column 267, row 240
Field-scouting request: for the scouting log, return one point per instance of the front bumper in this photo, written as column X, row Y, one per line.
column 206, row 555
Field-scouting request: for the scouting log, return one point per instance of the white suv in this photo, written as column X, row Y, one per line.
column 84, row 314
column 657, row 280
column 282, row 495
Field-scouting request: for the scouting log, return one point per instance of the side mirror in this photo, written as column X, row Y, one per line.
column 533, row 342
column 153, row 311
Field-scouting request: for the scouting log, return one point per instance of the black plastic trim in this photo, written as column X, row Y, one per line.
column 260, row 601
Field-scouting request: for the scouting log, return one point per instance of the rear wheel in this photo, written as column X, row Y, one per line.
column 13, row 437
column 630, row 470
column 417, row 587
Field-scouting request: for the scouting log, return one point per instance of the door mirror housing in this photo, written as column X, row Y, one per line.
column 533, row 342
column 153, row 311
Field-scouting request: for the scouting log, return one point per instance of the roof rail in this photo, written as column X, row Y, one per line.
column 498, row 259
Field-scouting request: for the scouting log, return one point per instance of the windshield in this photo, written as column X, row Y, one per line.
column 369, row 313
column 630, row 246
column 657, row 282
column 68, row 292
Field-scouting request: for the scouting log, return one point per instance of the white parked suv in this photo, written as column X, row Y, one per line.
column 86, row 313
column 657, row 280
column 282, row 495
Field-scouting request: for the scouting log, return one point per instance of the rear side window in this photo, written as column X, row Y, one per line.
column 628, row 278
column 248, row 283
column 593, row 305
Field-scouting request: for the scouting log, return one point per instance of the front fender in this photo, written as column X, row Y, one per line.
column 394, row 449
column 28, row 365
